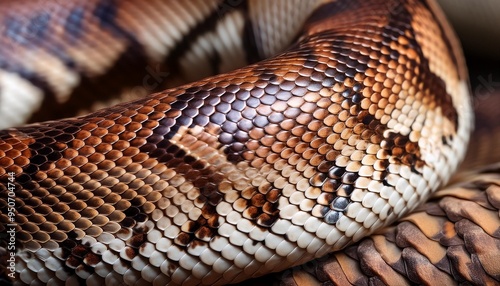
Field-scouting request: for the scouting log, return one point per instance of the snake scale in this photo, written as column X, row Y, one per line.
column 348, row 116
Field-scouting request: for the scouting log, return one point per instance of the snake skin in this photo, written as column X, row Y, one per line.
column 240, row 174
column 453, row 239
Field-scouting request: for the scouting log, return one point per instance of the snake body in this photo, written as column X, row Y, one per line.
column 244, row 173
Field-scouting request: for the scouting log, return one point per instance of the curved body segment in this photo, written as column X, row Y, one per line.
column 251, row 171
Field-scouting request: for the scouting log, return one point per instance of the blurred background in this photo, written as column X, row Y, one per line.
column 477, row 23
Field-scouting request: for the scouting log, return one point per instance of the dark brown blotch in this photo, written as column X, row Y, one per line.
column 204, row 233
column 130, row 252
column 72, row 262
column 258, row 200
column 409, row 154
column 273, row 195
column 183, row 239
column 266, row 220
column 92, row 259
column 251, row 213
column 137, row 240
column 79, row 251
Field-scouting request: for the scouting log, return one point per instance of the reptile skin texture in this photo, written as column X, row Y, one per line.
column 349, row 116
column 453, row 239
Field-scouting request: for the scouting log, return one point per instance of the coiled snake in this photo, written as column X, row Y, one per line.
column 233, row 176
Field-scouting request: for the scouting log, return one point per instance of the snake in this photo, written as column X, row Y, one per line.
column 299, row 128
